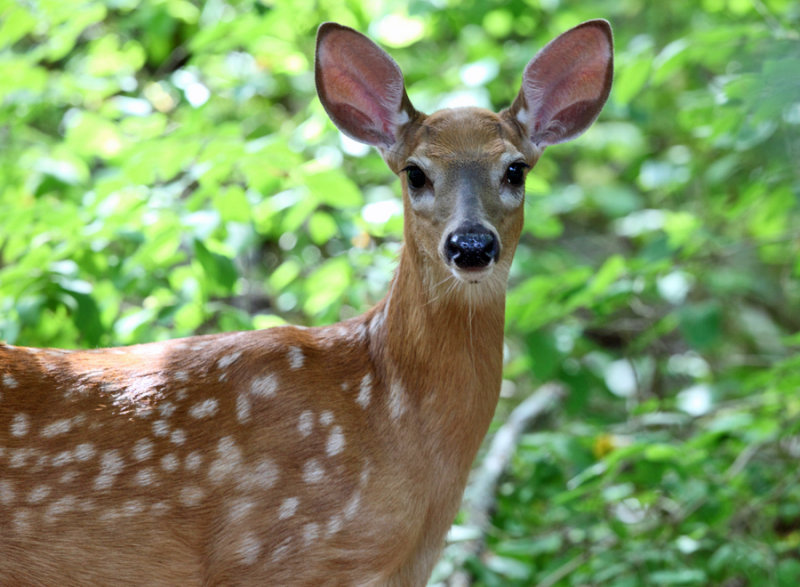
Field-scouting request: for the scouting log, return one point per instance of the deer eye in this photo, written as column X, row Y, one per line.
column 416, row 177
column 515, row 174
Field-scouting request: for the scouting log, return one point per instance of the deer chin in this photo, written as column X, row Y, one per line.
column 472, row 276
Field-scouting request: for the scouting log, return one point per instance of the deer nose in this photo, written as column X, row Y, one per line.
column 472, row 246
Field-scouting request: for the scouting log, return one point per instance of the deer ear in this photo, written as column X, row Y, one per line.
column 360, row 86
column 566, row 84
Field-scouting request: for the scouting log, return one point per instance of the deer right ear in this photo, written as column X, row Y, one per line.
column 566, row 84
column 360, row 86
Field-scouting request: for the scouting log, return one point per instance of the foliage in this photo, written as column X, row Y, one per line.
column 165, row 170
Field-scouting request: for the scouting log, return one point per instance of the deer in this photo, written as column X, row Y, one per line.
column 332, row 455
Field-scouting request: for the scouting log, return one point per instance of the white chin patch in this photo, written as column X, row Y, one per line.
column 472, row 276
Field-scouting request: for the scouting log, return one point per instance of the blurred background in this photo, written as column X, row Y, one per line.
column 166, row 170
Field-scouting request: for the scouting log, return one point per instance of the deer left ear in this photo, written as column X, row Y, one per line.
column 566, row 84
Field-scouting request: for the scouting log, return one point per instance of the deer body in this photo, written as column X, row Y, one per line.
column 293, row 456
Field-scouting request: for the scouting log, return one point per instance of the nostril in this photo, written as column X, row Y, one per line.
column 474, row 247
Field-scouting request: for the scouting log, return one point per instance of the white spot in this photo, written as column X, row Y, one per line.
column 334, row 525
column 365, row 391
column 41, row 462
column 57, row 428
column 326, row 418
column 364, row 477
column 132, row 507
column 306, row 423
column 63, row 505
column 228, row 460
column 243, row 408
column 65, row 457
column 288, row 508
column 296, row 357
column 111, row 514
column 166, row 409
column 264, row 386
column 111, row 462
column 228, row 360
column 181, row 394
column 9, row 381
column 160, row 428
column 313, row 471
column 6, row 493
column 335, row 442
column 397, row 399
column 204, row 409
column 310, row 533
column 262, row 476
column 169, row 462
column 178, row 437
column 159, row 508
column 84, row 452
column 239, row 510
column 110, row 466
column 22, row 520
column 86, row 505
column 19, row 457
column 39, row 494
column 249, row 548
column 351, row 509
column 180, row 376
column 282, row 549
column 143, row 449
column 145, row 477
column 68, row 477
column 20, row 425
column 191, row 496
column 193, row 461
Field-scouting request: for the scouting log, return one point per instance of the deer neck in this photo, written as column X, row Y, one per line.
column 443, row 343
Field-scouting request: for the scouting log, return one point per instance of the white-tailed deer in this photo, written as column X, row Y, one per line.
column 294, row 456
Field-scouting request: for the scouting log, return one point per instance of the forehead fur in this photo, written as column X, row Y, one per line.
column 464, row 132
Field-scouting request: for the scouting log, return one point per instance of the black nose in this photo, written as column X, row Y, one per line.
column 472, row 246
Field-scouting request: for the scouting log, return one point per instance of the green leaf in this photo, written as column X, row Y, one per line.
column 326, row 285
column 322, row 227
column 679, row 577
column 333, row 188
column 701, row 324
column 219, row 269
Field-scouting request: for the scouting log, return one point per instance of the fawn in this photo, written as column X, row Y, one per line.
column 301, row 456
